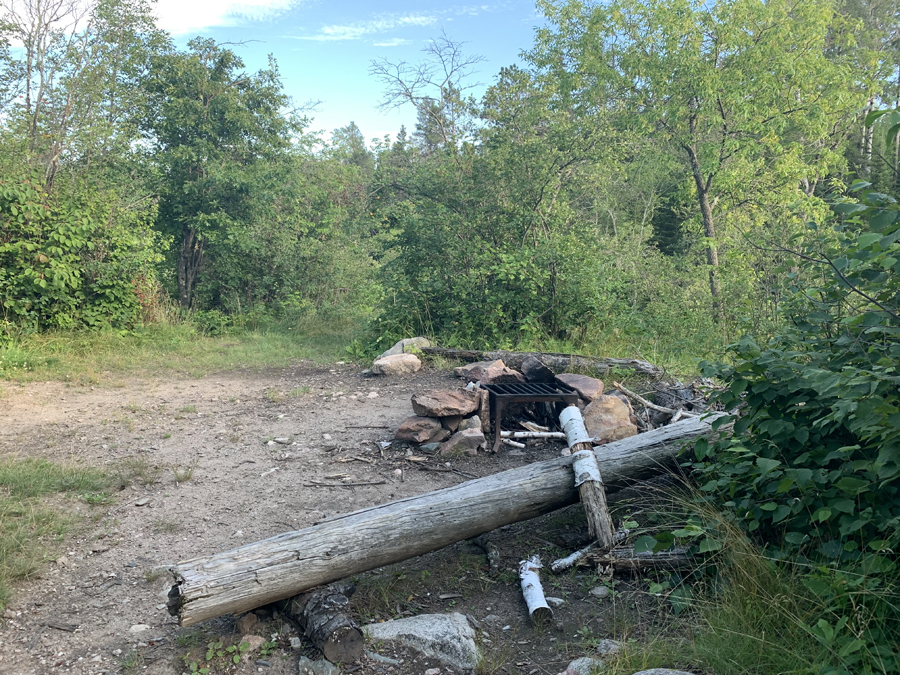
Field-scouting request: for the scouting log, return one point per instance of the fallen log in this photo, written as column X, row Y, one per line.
column 624, row 559
column 290, row 563
column 325, row 618
column 558, row 363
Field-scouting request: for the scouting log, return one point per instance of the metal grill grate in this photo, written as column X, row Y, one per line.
column 524, row 392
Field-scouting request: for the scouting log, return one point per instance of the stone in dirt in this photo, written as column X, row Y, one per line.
column 473, row 422
column 583, row 666
column 440, row 436
column 463, row 443
column 444, row 402
column 452, row 422
column 246, row 623
column 320, row 667
column 606, row 418
column 446, row 637
column 399, row 364
column 255, row 641
column 418, row 429
column 607, row 647
column 534, row 370
column 495, row 373
column 588, row 388
column 407, row 345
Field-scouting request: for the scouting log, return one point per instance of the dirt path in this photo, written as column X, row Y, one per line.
column 239, row 485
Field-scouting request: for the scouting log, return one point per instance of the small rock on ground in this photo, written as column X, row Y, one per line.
column 584, row 665
column 320, row 667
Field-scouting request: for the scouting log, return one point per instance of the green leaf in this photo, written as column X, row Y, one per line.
column 709, row 545
column 767, row 465
column 644, row 544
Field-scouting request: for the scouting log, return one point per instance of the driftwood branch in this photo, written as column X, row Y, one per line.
column 285, row 565
column 558, row 363
column 647, row 404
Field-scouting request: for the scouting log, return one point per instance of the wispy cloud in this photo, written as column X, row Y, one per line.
column 393, row 42
column 180, row 16
column 358, row 30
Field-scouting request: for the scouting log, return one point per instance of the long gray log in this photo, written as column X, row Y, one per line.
column 558, row 363
column 290, row 563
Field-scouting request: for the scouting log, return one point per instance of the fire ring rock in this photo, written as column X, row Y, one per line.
column 445, row 403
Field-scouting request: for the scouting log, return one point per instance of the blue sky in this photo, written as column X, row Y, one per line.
column 324, row 47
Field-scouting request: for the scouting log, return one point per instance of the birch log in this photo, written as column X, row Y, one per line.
column 533, row 592
column 287, row 564
column 587, row 478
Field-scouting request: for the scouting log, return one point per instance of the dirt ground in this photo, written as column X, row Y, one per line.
column 202, row 473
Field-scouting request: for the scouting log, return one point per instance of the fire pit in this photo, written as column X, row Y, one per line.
column 530, row 392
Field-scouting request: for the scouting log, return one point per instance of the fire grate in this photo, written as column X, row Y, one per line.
column 530, row 392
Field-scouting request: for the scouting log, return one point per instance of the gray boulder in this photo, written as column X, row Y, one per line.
column 407, row 345
column 446, row 637
column 320, row 667
column 535, row 370
column 466, row 442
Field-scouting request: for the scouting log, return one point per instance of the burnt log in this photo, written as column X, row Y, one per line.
column 324, row 616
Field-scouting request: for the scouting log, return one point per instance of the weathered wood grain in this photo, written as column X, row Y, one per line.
column 290, row 563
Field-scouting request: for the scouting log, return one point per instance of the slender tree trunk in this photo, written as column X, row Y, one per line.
column 189, row 260
column 709, row 229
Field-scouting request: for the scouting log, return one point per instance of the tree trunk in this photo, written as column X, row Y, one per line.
column 558, row 363
column 293, row 562
column 189, row 259
column 709, row 230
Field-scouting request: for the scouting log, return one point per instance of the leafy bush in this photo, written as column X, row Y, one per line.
column 67, row 263
column 813, row 468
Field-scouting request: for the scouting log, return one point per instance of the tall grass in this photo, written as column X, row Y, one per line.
column 752, row 615
column 27, row 527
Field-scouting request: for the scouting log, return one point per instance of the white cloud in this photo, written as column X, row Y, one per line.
column 393, row 42
column 355, row 31
column 184, row 16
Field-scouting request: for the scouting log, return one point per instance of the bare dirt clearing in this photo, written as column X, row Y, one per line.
column 214, row 463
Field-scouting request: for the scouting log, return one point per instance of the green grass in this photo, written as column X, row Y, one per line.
column 89, row 357
column 751, row 615
column 28, row 527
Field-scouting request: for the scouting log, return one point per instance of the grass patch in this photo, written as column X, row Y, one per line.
column 89, row 357
column 752, row 615
column 26, row 524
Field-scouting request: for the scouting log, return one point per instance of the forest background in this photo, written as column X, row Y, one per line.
column 660, row 179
